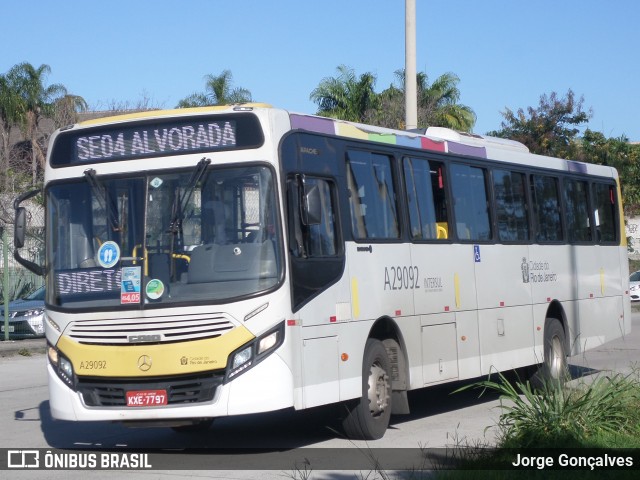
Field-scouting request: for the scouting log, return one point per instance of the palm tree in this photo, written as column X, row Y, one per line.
column 67, row 109
column 10, row 115
column 36, row 102
column 218, row 91
column 437, row 104
column 346, row 97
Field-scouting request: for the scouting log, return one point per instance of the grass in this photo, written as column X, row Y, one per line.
column 561, row 417
column 604, row 414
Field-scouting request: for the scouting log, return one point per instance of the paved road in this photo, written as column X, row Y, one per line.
column 438, row 418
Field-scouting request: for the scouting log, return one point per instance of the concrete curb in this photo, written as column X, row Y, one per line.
column 26, row 347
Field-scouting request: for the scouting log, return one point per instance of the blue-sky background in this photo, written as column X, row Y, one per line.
column 506, row 52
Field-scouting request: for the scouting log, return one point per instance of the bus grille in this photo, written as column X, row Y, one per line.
column 132, row 331
column 180, row 390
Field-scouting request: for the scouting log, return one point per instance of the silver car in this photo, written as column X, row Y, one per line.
column 634, row 286
column 26, row 316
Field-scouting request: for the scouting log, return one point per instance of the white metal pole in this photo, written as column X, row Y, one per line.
column 410, row 83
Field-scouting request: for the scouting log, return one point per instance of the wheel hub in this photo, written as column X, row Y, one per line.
column 378, row 390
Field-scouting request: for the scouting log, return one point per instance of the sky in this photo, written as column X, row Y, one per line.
column 507, row 53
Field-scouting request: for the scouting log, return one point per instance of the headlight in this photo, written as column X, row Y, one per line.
column 267, row 343
column 242, row 357
column 255, row 351
column 633, row 288
column 37, row 324
column 34, row 312
column 66, row 368
column 61, row 365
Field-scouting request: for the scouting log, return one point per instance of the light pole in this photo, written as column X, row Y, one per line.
column 410, row 83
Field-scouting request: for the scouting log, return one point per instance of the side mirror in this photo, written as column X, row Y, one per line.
column 20, row 232
column 20, row 227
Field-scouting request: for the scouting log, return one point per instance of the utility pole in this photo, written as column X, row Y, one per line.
column 5, row 289
column 410, row 83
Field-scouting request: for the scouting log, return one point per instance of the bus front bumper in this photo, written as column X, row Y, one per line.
column 266, row 387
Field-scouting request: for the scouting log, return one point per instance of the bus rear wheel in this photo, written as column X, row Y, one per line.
column 555, row 369
column 368, row 417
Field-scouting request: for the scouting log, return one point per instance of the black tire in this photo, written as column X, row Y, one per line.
column 555, row 370
column 368, row 417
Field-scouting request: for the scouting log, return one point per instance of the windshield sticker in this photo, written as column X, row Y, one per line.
column 156, row 182
column 130, row 286
column 154, row 289
column 108, row 254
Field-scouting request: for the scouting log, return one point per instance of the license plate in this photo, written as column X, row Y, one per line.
column 146, row 398
column 12, row 328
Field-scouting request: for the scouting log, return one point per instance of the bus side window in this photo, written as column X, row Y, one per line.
column 546, row 209
column 426, row 199
column 511, row 206
column 577, row 210
column 372, row 196
column 318, row 239
column 604, row 214
column 471, row 205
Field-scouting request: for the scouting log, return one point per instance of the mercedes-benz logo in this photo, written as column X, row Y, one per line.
column 144, row 363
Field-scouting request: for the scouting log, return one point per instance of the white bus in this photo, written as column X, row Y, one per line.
column 230, row 260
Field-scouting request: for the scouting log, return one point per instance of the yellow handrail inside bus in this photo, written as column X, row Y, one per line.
column 442, row 230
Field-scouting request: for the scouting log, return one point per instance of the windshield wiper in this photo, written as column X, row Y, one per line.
column 101, row 195
column 180, row 204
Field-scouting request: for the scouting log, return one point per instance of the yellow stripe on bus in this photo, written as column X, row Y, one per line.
column 152, row 360
column 456, row 286
column 355, row 298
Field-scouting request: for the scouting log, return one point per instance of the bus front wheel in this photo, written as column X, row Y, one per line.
column 368, row 417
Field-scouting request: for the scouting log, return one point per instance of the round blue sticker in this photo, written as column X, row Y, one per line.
column 108, row 254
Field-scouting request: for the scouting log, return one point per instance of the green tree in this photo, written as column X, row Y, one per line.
column 594, row 147
column 346, row 96
column 437, row 104
column 36, row 101
column 218, row 91
column 551, row 128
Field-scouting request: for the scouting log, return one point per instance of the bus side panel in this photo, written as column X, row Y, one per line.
column 502, row 277
column 446, row 292
column 600, row 314
column 624, row 278
column 321, row 385
column 446, row 278
column 505, row 319
column 382, row 280
column 550, row 271
column 506, row 338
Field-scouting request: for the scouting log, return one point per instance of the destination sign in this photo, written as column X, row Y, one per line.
column 160, row 137
column 73, row 282
column 141, row 142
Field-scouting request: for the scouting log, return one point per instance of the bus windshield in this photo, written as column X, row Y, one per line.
column 202, row 235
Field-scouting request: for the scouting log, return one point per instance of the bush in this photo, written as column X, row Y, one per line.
column 592, row 415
